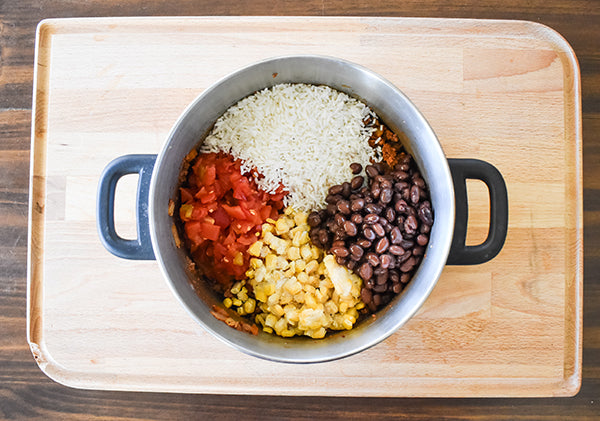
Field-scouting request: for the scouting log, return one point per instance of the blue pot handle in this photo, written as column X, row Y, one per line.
column 141, row 247
column 460, row 253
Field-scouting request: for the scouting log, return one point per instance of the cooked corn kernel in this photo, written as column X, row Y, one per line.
column 254, row 249
column 298, row 290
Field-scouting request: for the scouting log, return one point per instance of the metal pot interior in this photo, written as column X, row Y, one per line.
column 395, row 109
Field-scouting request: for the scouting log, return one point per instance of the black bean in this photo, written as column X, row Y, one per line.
column 365, row 271
column 387, row 227
column 371, row 219
column 368, row 233
column 314, row 236
column 366, row 295
column 390, row 214
column 408, row 265
column 346, row 189
column 395, row 235
column 372, row 259
column 314, row 219
column 339, row 235
column 379, row 270
column 340, row 251
column 424, row 228
column 394, row 276
column 382, row 278
column 407, row 244
column 400, row 175
column 331, row 209
column 340, row 260
column 357, row 182
column 418, row 251
column 344, row 207
column 380, row 288
column 333, row 198
column 350, row 228
column 397, row 250
column 401, row 206
column 386, row 184
column 400, row 186
column 411, row 225
column 371, row 171
column 339, row 219
column 377, row 300
column 386, row 196
column 338, row 243
column 357, row 204
column 324, row 237
column 364, row 243
column 404, row 257
column 386, row 260
column 378, row 229
column 419, row 182
column 375, row 192
column 397, row 288
column 422, row 239
column 415, row 194
column 373, row 208
column 380, row 166
column 356, row 218
column 382, row 245
column 335, row 190
column 406, row 194
column 356, row 250
column 425, row 215
column 355, row 167
column 351, row 264
column 404, row 278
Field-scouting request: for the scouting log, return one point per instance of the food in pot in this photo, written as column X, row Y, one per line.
column 296, row 135
column 304, row 211
column 222, row 210
column 299, row 289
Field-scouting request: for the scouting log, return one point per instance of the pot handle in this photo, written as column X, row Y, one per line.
column 141, row 247
column 460, row 253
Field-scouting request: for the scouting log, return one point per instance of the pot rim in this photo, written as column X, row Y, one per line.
column 417, row 298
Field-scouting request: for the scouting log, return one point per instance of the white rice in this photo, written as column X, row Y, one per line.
column 301, row 136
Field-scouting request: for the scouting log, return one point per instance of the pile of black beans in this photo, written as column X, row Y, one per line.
column 377, row 227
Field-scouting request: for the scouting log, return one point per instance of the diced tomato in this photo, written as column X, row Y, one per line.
column 198, row 213
column 221, row 218
column 228, row 211
column 210, row 231
column 186, row 195
column 234, row 212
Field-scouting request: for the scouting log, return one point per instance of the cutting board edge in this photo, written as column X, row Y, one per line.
column 568, row 387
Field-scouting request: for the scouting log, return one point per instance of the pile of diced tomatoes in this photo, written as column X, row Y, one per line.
column 222, row 211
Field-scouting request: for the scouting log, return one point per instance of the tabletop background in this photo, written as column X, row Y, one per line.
column 26, row 393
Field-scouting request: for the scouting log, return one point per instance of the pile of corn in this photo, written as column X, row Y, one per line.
column 298, row 289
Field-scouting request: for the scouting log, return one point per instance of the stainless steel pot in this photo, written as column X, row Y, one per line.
column 159, row 183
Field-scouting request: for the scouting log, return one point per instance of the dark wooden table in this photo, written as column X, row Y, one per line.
column 25, row 392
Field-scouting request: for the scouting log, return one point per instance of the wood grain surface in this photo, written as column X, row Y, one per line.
column 491, row 89
column 26, row 393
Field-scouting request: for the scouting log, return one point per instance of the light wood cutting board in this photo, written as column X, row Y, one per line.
column 503, row 91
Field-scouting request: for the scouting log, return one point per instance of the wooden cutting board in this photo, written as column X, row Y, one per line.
column 506, row 92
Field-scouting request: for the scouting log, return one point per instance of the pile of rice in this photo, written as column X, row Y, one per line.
column 301, row 136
